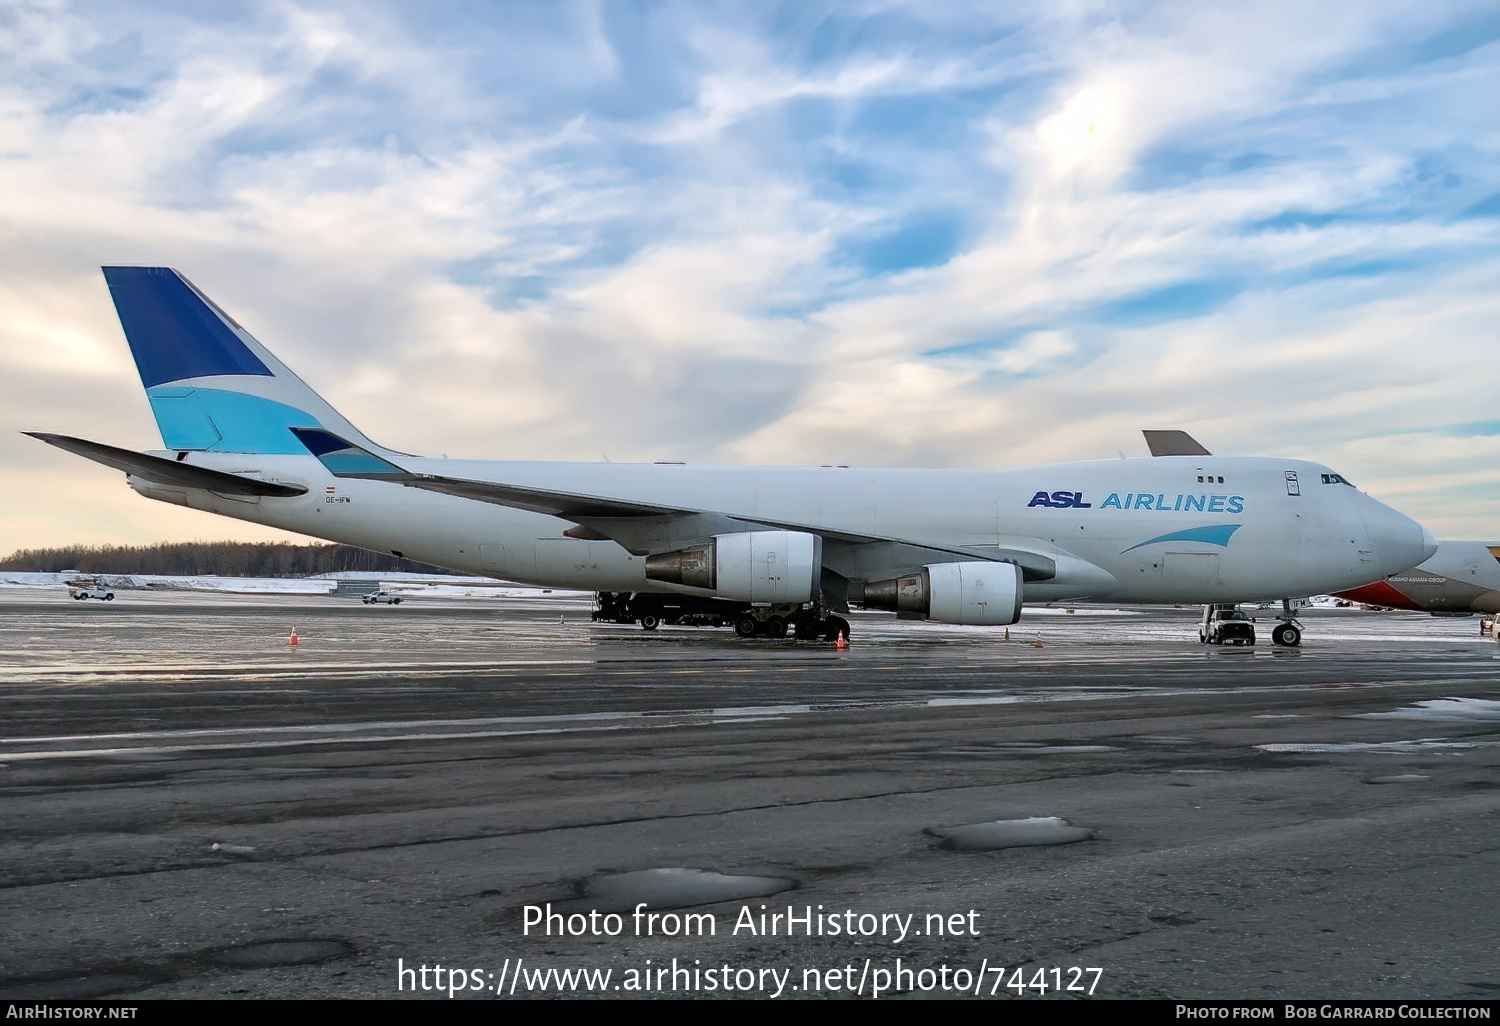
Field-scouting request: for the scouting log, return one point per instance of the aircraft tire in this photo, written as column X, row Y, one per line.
column 775, row 628
column 834, row 626
column 1286, row 635
column 746, row 626
column 805, row 628
column 650, row 622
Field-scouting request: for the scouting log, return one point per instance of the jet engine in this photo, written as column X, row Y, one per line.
column 974, row 594
column 775, row 567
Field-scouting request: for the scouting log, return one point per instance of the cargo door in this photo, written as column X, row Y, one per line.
column 570, row 562
column 1192, row 575
column 514, row 562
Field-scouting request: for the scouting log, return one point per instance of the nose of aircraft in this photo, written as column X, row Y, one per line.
column 1398, row 541
column 1429, row 545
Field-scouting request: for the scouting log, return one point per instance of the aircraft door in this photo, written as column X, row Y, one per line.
column 515, row 562
column 492, row 557
column 1194, row 574
column 571, row 562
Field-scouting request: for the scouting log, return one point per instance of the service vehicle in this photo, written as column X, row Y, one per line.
column 1226, row 625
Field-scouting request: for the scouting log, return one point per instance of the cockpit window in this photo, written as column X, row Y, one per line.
column 1336, row 479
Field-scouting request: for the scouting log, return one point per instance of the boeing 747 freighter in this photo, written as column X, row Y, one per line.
column 773, row 548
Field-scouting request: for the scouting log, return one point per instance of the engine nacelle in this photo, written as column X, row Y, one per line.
column 973, row 594
column 774, row 567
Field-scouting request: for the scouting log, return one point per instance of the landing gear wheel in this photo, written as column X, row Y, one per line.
column 834, row 626
column 775, row 628
column 746, row 626
column 1287, row 634
column 650, row 623
column 805, row 628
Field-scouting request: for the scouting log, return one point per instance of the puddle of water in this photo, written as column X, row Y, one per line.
column 275, row 953
column 1038, row 746
column 1399, row 778
column 674, row 888
column 1010, row 833
column 1017, row 748
column 1425, row 744
column 83, row 988
column 1445, row 710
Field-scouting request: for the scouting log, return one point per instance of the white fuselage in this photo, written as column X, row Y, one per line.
column 1181, row 529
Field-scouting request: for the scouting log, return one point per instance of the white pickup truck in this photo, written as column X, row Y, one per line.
column 88, row 591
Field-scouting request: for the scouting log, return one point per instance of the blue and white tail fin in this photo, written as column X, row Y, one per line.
column 212, row 386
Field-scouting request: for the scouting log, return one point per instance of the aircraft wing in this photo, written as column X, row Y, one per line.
column 641, row 528
column 164, row 471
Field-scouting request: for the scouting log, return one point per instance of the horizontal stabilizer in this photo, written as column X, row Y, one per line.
column 1174, row 443
column 167, row 472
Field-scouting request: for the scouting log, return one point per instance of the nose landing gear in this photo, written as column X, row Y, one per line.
column 1287, row 633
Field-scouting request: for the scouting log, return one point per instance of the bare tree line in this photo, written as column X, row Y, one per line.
column 223, row 559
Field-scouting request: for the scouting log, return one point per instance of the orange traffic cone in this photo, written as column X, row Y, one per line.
column 292, row 641
column 842, row 641
column 1038, row 641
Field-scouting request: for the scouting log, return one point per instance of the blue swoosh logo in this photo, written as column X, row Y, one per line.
column 1216, row 535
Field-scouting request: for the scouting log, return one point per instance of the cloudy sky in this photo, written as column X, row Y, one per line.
column 898, row 234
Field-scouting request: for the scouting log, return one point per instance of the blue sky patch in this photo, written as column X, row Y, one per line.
column 925, row 241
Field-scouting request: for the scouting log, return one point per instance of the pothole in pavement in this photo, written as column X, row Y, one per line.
column 1009, row 833
column 670, row 888
column 269, row 954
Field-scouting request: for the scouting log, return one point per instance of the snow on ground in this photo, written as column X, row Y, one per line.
column 406, row 585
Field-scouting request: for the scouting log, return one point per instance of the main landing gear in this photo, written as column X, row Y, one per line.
column 802, row 626
column 805, row 623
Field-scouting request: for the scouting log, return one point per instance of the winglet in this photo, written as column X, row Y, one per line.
column 345, row 459
column 1174, row 443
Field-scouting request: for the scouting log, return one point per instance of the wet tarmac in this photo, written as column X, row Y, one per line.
column 189, row 807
